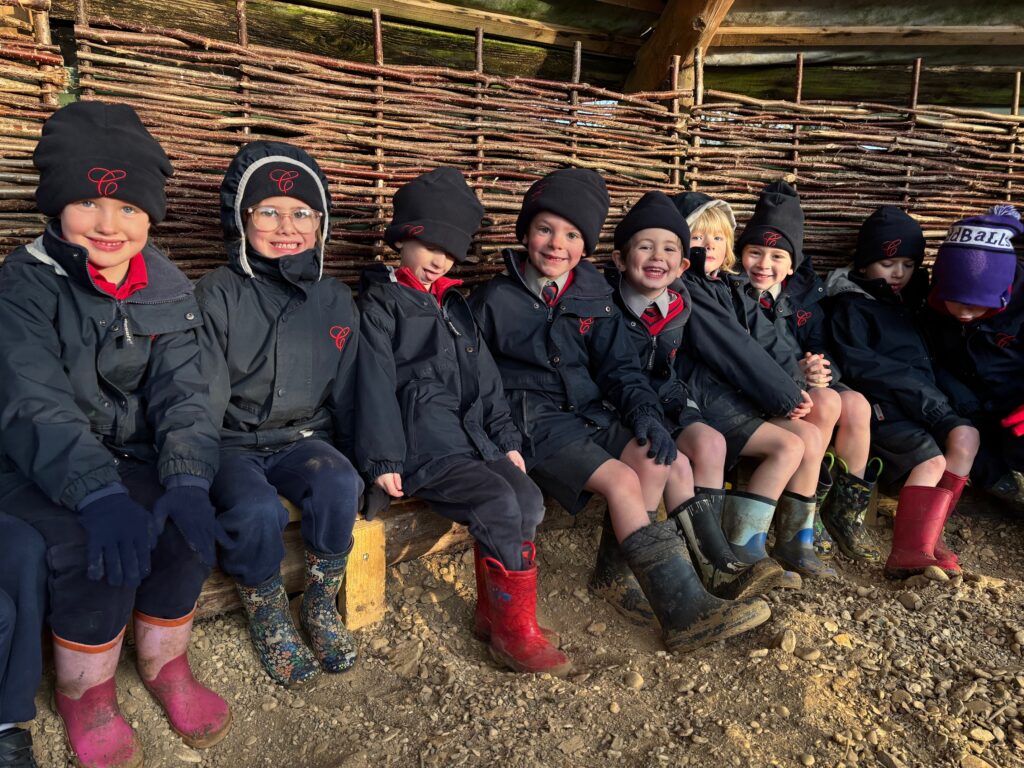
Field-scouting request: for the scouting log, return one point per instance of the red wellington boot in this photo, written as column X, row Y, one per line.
column 516, row 639
column 86, row 700
column 196, row 713
column 920, row 514
column 948, row 561
column 482, row 614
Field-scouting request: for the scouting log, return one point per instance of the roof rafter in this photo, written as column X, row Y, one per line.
column 865, row 36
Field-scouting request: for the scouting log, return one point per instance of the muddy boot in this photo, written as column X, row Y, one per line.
column 690, row 617
column 280, row 649
column 16, row 749
column 482, row 614
column 794, row 537
column 516, row 639
column 85, row 696
column 614, row 581
column 197, row 714
column 824, row 547
column 948, row 561
column 745, row 520
column 697, row 521
column 920, row 514
column 332, row 643
column 1009, row 489
column 843, row 514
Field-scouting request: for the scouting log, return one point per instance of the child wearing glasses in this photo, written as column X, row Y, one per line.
column 280, row 345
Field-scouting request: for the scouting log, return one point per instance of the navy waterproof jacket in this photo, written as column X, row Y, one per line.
column 657, row 354
column 720, row 353
column 429, row 390
column 280, row 340
column 806, row 314
column 566, row 367
column 878, row 343
column 980, row 364
column 86, row 379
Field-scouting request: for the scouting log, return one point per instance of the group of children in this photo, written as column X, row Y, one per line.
column 149, row 429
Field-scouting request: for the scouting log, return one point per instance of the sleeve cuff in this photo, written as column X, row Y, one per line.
column 108, row 490
column 378, row 468
column 181, row 481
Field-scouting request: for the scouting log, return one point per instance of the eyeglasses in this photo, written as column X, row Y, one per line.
column 266, row 218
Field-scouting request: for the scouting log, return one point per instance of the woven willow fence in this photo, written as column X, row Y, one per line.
column 373, row 127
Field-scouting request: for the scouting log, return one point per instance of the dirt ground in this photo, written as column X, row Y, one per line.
column 850, row 672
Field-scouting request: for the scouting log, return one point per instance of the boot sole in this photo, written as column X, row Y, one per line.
column 734, row 620
column 559, row 670
column 612, row 595
column 766, row 578
column 136, row 762
column 207, row 741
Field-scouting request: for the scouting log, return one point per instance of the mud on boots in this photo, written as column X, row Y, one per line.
column 689, row 616
column 516, row 640
column 614, row 581
column 482, row 612
column 794, row 537
column 824, row 546
column 844, row 510
column 723, row 574
column 746, row 518
column 920, row 514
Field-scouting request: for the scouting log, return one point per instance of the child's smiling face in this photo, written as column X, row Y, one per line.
column 554, row 245
column 766, row 267
column 290, row 215
column 426, row 262
column 714, row 245
column 651, row 261
column 895, row 272
column 112, row 232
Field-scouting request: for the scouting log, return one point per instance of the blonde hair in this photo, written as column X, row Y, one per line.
column 715, row 221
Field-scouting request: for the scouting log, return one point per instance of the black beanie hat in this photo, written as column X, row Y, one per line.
column 888, row 233
column 283, row 179
column 437, row 208
column 777, row 222
column 576, row 194
column 653, row 210
column 91, row 149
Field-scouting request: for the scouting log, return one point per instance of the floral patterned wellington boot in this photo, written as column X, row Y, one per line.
column 332, row 643
column 845, row 508
column 280, row 649
column 824, row 546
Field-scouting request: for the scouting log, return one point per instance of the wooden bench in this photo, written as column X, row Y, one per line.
column 406, row 531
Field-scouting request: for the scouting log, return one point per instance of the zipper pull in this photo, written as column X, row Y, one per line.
column 127, row 331
column 448, row 321
column 654, row 351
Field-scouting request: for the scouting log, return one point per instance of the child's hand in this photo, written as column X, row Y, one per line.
column 816, row 369
column 804, row 408
column 391, row 483
column 517, row 458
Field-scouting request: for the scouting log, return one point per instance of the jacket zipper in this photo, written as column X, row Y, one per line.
column 654, row 352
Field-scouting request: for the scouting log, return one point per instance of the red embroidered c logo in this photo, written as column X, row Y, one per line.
column 106, row 179
column 802, row 317
column 285, row 180
column 585, row 325
column 340, row 333
column 771, row 238
column 412, row 230
column 1003, row 340
column 890, row 248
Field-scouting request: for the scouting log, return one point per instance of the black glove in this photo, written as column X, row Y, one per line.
column 120, row 533
column 647, row 426
column 375, row 501
column 190, row 509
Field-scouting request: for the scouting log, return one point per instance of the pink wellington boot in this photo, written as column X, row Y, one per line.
column 196, row 713
column 948, row 561
column 85, row 697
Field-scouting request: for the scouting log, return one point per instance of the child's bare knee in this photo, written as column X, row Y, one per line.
column 856, row 409
column 828, row 402
column 934, row 464
column 964, row 441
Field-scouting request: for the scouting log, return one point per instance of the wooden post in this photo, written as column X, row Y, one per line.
column 378, row 150
column 1014, row 110
column 479, row 119
column 242, row 23
column 698, row 100
column 41, row 34
column 674, row 176
column 82, row 20
column 797, row 97
column 574, row 95
column 912, row 117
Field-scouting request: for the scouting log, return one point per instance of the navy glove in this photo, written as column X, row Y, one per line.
column 647, row 426
column 120, row 533
column 375, row 501
column 190, row 509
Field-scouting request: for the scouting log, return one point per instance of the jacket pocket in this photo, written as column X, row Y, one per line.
column 409, row 397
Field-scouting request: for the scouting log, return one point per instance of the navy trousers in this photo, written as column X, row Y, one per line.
column 313, row 475
column 22, row 605
column 93, row 612
column 500, row 505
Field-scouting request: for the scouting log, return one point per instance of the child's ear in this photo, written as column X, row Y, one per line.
column 683, row 266
column 620, row 263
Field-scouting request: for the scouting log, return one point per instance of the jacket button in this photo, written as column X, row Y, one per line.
column 607, row 309
column 190, row 315
column 469, row 349
column 556, row 359
column 632, row 323
column 536, row 306
column 280, row 392
column 114, row 327
column 106, row 403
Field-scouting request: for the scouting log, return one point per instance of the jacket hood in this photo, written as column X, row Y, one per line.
column 846, row 281
column 250, row 159
column 838, row 282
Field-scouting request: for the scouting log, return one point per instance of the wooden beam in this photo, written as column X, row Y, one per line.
column 524, row 30
column 862, row 37
column 650, row 6
column 684, row 26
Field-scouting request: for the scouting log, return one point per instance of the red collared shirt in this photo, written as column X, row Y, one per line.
column 134, row 280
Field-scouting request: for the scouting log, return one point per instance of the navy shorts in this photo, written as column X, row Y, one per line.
column 737, row 418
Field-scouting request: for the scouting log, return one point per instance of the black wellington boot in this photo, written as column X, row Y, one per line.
column 690, row 617
column 614, row 581
column 698, row 522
